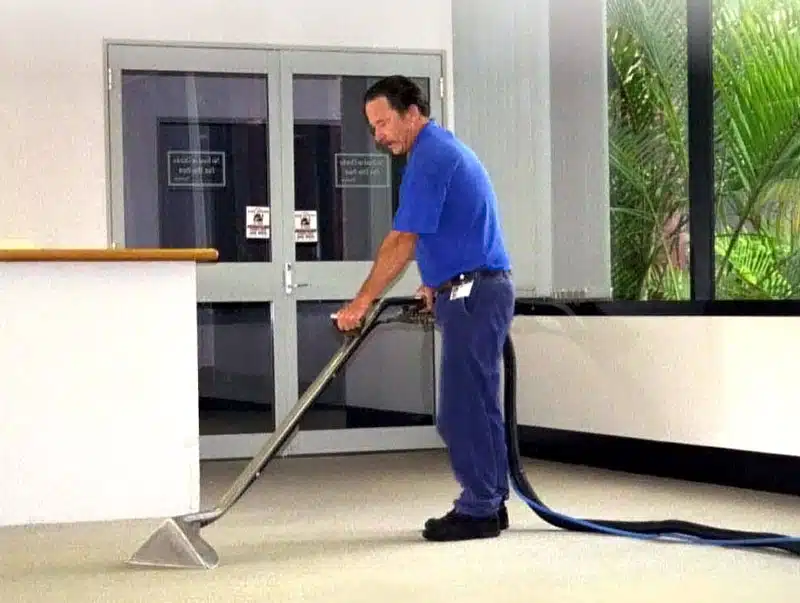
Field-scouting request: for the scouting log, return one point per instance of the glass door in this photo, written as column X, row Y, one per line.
column 196, row 162
column 343, row 192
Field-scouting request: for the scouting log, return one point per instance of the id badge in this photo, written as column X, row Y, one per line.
column 462, row 290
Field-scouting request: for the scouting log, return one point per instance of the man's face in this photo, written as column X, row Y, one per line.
column 393, row 130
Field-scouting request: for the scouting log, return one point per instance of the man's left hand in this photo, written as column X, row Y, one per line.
column 351, row 315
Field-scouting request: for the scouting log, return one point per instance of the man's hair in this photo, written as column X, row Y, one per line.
column 400, row 92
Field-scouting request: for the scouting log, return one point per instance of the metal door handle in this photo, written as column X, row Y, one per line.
column 288, row 280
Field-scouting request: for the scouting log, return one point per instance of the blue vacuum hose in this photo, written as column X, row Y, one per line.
column 671, row 529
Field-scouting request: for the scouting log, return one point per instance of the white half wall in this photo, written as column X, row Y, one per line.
column 725, row 382
column 98, row 401
column 53, row 148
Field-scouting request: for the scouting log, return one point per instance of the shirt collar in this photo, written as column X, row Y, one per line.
column 425, row 130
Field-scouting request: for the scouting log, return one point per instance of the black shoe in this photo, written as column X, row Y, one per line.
column 455, row 526
column 502, row 518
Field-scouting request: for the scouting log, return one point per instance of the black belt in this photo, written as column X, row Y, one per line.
column 465, row 277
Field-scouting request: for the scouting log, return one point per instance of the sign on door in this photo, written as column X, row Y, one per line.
column 258, row 224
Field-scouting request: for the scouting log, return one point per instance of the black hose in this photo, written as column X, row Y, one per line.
column 693, row 532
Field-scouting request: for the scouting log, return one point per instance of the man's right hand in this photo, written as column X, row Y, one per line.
column 427, row 294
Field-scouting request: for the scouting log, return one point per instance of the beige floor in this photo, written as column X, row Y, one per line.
column 346, row 529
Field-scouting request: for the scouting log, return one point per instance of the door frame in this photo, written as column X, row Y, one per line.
column 216, row 282
column 323, row 281
column 267, row 281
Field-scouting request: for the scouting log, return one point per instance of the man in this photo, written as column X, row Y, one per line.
column 448, row 219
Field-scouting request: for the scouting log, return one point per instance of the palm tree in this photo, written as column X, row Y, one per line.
column 757, row 148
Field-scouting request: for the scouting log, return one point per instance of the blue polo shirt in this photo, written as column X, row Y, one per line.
column 447, row 198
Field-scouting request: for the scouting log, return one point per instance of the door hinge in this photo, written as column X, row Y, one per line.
column 109, row 79
column 441, row 87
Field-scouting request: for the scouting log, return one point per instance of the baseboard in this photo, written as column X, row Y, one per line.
column 736, row 468
column 356, row 417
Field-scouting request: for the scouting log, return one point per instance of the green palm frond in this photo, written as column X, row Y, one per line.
column 757, row 74
column 649, row 53
column 757, row 145
column 753, row 266
column 647, row 147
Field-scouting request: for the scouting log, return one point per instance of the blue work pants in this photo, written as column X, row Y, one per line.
column 469, row 417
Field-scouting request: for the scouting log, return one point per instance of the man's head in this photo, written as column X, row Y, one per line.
column 396, row 110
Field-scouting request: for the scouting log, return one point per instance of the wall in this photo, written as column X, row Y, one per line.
column 581, row 249
column 52, row 153
column 501, row 78
column 686, row 380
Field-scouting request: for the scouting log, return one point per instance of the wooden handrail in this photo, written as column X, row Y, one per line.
column 109, row 255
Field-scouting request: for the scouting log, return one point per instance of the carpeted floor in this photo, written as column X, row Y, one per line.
column 346, row 529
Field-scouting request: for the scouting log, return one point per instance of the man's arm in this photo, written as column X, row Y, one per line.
column 394, row 254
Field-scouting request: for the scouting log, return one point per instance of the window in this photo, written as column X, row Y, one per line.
column 648, row 150
column 757, row 148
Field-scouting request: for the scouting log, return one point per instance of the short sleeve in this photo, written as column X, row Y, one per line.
column 423, row 192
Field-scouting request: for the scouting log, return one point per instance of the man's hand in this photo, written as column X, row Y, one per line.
column 351, row 315
column 394, row 255
column 427, row 294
